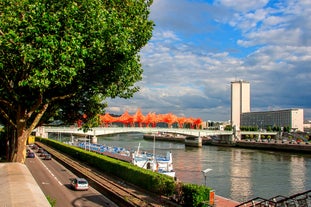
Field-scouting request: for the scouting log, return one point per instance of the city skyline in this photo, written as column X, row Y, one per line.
column 199, row 47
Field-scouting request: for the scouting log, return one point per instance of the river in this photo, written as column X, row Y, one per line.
column 238, row 174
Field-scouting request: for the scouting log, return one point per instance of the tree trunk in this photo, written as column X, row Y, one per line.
column 21, row 136
column 19, row 131
column 21, row 147
column 17, row 139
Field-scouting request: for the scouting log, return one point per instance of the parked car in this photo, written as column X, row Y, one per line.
column 79, row 184
column 31, row 155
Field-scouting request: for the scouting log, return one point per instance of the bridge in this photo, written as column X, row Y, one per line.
column 98, row 131
column 226, row 136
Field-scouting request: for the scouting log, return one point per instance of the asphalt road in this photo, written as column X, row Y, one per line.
column 54, row 180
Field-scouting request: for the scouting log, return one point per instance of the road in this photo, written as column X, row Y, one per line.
column 54, row 180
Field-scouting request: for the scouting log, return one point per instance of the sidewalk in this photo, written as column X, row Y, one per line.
column 224, row 202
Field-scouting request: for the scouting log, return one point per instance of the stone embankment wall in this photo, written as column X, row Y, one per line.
column 305, row 148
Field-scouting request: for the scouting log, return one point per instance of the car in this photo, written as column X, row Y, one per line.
column 31, row 155
column 47, row 156
column 79, row 184
column 42, row 154
column 34, row 147
column 40, row 150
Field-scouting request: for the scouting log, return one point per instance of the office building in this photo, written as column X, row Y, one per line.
column 242, row 116
column 292, row 118
column 240, row 101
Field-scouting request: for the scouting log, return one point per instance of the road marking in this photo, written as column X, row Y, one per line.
column 50, row 172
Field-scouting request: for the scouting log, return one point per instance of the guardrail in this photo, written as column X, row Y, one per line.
column 296, row 200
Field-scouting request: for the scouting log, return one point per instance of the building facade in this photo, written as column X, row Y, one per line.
column 292, row 118
column 241, row 114
column 240, row 101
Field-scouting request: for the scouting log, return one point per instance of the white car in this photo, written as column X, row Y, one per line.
column 79, row 184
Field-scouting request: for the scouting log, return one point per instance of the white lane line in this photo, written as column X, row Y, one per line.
column 49, row 171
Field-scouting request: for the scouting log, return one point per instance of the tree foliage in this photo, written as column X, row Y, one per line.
column 66, row 56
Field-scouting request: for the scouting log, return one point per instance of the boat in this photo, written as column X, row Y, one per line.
column 156, row 163
column 193, row 141
column 119, row 153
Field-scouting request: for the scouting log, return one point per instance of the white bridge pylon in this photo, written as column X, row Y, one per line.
column 97, row 131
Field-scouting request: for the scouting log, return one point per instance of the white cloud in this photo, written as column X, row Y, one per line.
column 243, row 5
column 198, row 48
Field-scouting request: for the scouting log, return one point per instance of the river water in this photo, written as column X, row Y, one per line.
column 238, row 174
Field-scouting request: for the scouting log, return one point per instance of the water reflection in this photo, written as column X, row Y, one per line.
column 298, row 173
column 240, row 175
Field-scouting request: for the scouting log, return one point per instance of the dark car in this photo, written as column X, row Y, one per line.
column 43, row 154
column 31, row 155
column 34, row 147
column 47, row 156
column 40, row 150
column 79, row 184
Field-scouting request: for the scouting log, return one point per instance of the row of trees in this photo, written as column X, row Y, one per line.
column 150, row 120
column 267, row 128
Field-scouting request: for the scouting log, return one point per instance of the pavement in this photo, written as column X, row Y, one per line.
column 19, row 188
column 224, row 202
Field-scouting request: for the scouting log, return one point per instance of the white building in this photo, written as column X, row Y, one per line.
column 240, row 101
column 292, row 118
column 242, row 116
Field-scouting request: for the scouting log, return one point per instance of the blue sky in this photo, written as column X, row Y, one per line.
column 200, row 46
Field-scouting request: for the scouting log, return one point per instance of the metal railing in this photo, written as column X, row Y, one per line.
column 296, row 200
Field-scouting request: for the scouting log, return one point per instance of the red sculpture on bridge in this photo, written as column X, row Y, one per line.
column 151, row 119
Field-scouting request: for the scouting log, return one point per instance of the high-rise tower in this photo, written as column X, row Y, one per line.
column 240, row 101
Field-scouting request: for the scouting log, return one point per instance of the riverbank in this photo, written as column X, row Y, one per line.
column 171, row 138
column 302, row 147
column 278, row 145
column 225, row 202
column 165, row 137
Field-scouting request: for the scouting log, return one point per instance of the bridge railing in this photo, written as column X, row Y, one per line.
column 112, row 130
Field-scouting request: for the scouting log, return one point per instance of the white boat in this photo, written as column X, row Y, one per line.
column 144, row 160
column 156, row 163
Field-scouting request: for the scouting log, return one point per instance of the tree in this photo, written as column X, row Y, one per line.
column 64, row 58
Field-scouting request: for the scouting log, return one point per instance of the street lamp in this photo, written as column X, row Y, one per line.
column 205, row 173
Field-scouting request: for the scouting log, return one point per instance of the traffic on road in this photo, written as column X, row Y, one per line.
column 60, row 185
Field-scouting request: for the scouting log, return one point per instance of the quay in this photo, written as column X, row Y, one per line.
column 19, row 188
column 303, row 147
column 225, row 202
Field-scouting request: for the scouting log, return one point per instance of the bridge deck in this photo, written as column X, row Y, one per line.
column 113, row 130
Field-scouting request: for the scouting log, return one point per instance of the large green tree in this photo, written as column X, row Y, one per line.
column 68, row 56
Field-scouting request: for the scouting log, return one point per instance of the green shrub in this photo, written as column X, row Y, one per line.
column 195, row 195
column 51, row 201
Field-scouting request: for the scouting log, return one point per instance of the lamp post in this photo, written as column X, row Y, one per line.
column 205, row 174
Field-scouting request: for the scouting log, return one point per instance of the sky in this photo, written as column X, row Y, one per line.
column 200, row 46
